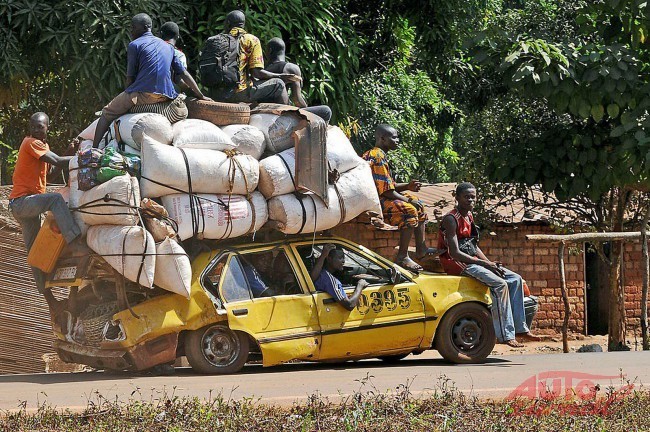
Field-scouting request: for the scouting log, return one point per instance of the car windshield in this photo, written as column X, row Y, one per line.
column 355, row 266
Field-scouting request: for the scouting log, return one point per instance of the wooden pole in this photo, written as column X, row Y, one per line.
column 646, row 278
column 565, row 299
column 585, row 237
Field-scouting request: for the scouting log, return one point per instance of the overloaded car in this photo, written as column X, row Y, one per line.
column 115, row 324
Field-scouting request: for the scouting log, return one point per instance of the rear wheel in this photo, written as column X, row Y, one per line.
column 466, row 334
column 215, row 349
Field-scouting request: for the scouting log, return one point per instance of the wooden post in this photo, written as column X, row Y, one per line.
column 646, row 278
column 565, row 299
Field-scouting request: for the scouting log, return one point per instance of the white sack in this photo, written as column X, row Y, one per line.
column 89, row 132
column 134, row 242
column 133, row 127
column 214, row 221
column 277, row 130
column 277, row 172
column 75, row 194
column 107, row 203
column 211, row 171
column 341, row 156
column 248, row 139
column 173, row 268
column 358, row 193
column 200, row 134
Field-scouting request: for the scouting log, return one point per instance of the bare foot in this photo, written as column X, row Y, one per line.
column 513, row 343
column 529, row 337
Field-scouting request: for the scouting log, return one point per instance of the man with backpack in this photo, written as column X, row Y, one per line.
column 232, row 67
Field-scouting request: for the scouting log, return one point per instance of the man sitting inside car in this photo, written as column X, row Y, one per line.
column 330, row 261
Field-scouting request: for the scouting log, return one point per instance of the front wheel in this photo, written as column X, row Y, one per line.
column 215, row 349
column 466, row 334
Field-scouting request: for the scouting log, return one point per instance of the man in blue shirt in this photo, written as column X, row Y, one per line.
column 330, row 261
column 150, row 62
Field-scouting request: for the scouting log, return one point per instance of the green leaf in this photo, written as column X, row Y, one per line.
column 597, row 112
column 613, row 110
column 585, row 109
column 617, row 132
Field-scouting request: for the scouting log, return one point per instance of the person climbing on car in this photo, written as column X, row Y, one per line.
column 399, row 207
column 28, row 199
column 150, row 63
column 278, row 64
column 330, row 261
column 231, row 65
column 459, row 237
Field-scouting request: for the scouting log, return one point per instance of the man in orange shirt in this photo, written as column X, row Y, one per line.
column 28, row 199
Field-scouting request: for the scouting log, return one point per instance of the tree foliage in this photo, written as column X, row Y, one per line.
column 597, row 85
column 407, row 98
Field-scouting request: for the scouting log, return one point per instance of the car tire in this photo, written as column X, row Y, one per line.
column 466, row 334
column 393, row 358
column 218, row 113
column 215, row 349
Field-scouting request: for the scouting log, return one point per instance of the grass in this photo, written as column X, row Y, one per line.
column 446, row 409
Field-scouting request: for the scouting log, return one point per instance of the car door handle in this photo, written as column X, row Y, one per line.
column 240, row 312
column 329, row 301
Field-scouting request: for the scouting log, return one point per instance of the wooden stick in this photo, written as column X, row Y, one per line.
column 565, row 298
column 646, row 277
column 585, row 237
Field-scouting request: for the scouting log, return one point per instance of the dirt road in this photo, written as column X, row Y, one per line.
column 295, row 382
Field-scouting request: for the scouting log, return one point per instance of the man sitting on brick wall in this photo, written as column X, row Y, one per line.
column 400, row 208
column 459, row 236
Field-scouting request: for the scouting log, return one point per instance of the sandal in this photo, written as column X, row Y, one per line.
column 411, row 265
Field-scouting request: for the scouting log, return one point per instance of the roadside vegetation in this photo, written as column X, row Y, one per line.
column 445, row 409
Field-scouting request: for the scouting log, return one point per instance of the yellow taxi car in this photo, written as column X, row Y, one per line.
column 224, row 323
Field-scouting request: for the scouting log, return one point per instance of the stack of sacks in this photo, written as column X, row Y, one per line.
column 277, row 173
column 224, row 203
column 127, row 132
column 111, row 211
column 353, row 194
column 109, row 215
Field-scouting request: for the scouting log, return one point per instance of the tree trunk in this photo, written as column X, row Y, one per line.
column 565, row 299
column 616, row 324
column 646, row 278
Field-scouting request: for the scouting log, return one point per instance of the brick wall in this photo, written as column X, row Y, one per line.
column 536, row 262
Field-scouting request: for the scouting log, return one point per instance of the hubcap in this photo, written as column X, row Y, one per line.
column 466, row 334
column 220, row 346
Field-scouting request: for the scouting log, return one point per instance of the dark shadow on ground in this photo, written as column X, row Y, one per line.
column 252, row 369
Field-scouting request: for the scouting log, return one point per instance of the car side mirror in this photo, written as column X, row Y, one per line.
column 395, row 276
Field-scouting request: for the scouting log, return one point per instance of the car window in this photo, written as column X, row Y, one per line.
column 235, row 286
column 270, row 273
column 211, row 278
column 355, row 264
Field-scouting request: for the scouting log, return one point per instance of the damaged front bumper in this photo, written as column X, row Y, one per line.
column 161, row 350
